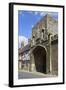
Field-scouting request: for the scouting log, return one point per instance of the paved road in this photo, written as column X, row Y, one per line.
column 26, row 75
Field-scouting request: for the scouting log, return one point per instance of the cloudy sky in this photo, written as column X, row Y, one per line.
column 26, row 20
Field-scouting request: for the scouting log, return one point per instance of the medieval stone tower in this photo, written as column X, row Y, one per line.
column 44, row 46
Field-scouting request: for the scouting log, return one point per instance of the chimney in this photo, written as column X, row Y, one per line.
column 22, row 44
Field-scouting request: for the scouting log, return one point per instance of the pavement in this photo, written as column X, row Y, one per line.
column 28, row 75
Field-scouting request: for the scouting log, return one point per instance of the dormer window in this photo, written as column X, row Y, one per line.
column 20, row 57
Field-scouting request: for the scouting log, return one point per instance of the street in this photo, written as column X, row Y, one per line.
column 26, row 75
column 29, row 75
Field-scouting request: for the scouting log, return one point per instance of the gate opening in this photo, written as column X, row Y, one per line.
column 40, row 59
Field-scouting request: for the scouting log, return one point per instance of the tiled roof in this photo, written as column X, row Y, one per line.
column 24, row 49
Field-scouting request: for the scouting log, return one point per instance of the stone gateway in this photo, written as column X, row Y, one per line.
column 43, row 51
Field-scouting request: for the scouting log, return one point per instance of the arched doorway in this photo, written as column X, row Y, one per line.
column 40, row 59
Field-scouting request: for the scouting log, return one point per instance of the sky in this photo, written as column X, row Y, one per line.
column 26, row 20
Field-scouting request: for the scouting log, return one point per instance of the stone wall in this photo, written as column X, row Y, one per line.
column 54, row 57
column 52, row 25
column 48, row 23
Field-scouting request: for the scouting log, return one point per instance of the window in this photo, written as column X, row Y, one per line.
column 42, row 35
column 33, row 41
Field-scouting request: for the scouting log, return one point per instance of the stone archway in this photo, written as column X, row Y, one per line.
column 39, row 54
